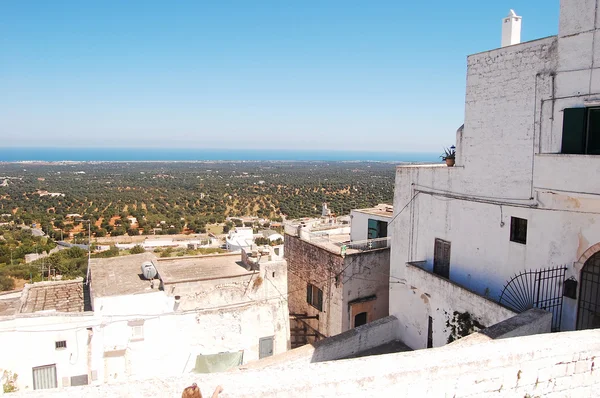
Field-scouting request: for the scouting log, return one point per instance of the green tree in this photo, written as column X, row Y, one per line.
column 137, row 249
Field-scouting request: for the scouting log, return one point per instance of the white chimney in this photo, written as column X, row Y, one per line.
column 511, row 29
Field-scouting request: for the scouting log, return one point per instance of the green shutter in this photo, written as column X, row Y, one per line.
column 309, row 294
column 573, row 139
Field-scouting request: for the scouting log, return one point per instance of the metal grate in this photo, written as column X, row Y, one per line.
column 588, row 314
column 44, row 377
column 537, row 289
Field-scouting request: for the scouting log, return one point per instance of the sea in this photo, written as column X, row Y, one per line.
column 188, row 154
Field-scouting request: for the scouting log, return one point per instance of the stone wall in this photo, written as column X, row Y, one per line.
column 308, row 263
column 560, row 364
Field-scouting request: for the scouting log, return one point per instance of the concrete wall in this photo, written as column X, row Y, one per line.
column 366, row 276
column 343, row 345
column 560, row 364
column 29, row 341
column 427, row 295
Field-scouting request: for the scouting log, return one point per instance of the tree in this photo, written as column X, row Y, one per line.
column 137, row 249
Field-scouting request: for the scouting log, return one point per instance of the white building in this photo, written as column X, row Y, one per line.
column 524, row 194
column 371, row 223
column 240, row 238
column 44, row 334
column 199, row 314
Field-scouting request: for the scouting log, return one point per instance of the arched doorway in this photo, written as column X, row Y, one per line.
column 588, row 310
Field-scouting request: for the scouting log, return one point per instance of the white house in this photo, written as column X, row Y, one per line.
column 371, row 223
column 194, row 314
column 44, row 334
column 524, row 194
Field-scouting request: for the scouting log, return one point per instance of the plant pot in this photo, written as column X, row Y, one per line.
column 449, row 162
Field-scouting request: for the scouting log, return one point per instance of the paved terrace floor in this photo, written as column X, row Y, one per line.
column 197, row 268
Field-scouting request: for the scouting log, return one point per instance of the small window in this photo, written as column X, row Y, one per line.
column 59, row 345
column 137, row 330
column 430, row 333
column 314, row 297
column 360, row 319
column 518, row 230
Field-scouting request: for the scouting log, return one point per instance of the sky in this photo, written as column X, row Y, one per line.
column 344, row 75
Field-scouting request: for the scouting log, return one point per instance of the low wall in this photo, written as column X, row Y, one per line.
column 559, row 364
column 343, row 345
column 451, row 307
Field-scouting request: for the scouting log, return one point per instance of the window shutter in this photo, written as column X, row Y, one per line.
column 320, row 299
column 573, row 137
column 309, row 293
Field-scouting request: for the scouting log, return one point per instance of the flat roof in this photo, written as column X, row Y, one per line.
column 10, row 303
column 119, row 275
column 60, row 296
column 198, row 268
column 379, row 210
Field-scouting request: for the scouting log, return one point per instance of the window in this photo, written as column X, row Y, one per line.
column 44, row 377
column 360, row 319
column 137, row 330
column 314, row 297
column 518, row 230
column 59, row 345
column 581, row 131
column 377, row 229
column 441, row 258
column 430, row 333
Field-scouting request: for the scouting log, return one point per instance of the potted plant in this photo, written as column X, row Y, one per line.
column 449, row 155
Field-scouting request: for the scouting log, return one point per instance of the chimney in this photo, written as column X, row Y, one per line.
column 511, row 29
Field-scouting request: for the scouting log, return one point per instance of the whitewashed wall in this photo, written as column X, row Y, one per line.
column 220, row 315
column 360, row 224
column 507, row 165
column 29, row 341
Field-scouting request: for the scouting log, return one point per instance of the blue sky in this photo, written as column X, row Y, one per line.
column 346, row 75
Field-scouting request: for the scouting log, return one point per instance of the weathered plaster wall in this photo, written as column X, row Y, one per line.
column 507, row 165
column 427, row 295
column 308, row 263
column 366, row 275
column 29, row 341
column 212, row 316
column 172, row 341
column 560, row 364
column 343, row 345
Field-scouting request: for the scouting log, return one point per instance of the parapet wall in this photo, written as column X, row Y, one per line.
column 343, row 345
column 557, row 364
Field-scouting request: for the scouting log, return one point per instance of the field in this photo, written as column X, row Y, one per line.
column 182, row 197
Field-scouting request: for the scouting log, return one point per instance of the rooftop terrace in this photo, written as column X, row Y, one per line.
column 119, row 275
column 198, row 268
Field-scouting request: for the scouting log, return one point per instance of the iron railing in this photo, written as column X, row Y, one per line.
column 537, row 289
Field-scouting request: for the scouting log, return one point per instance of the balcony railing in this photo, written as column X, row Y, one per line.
column 369, row 244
